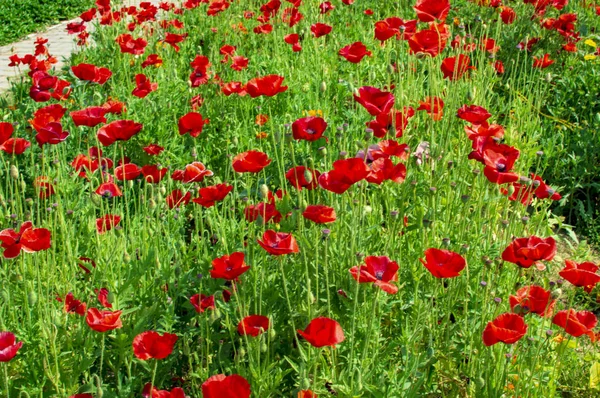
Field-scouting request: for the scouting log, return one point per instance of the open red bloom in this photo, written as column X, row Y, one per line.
column 345, row 173
column 374, row 100
column 102, row 295
column 150, row 391
column 250, row 162
column 309, row 128
column 543, row 191
column 508, row 15
column 239, row 63
column 202, row 302
column 151, row 345
column 109, row 190
column 74, row 306
column 526, row 251
column 91, row 73
column 581, row 274
column 443, row 263
column 303, row 177
column 319, row 214
column 507, row 328
column 193, row 172
column 15, row 146
column 103, row 321
column 143, row 86
column 428, row 41
column 320, row 29
column 473, row 113
column 454, row 68
column 532, row 299
column 253, row 325
column 177, row 198
column 393, row 122
column 107, row 222
column 89, row 117
column 119, row 130
column 229, row 267
column 383, row 169
column 210, row 195
column 8, row 346
column 434, row 106
column 173, row 39
column 127, row 171
column 294, row 40
column 52, row 134
column 192, row 123
column 355, row 52
column 307, row 393
column 380, row 271
column 28, row 239
column 576, row 323
column 430, row 10
column 268, row 86
column 152, row 60
column 499, row 161
column 322, row 332
column 221, row 386
column 543, row 62
column 278, row 243
column 153, row 174
column 153, row 149
column 130, row 45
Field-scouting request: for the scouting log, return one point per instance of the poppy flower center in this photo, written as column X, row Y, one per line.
column 310, row 131
column 379, row 275
column 501, row 167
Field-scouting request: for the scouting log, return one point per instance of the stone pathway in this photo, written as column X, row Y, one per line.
column 60, row 44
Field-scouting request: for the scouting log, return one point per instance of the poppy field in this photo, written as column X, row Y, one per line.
column 295, row 198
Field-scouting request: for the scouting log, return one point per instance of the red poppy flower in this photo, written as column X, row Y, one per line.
column 173, row 39
column 388, row 28
column 114, row 107
column 278, row 243
column 152, row 60
column 192, row 123
column 434, row 106
column 130, row 45
column 127, row 171
column 52, row 134
column 294, row 40
column 383, row 169
column 15, row 146
column 355, row 52
column 91, row 73
column 581, row 274
column 202, row 303
column 74, row 306
column 393, row 122
column 543, row 191
column 443, row 263
column 532, row 299
column 520, row 192
column 229, row 267
column 193, row 172
column 200, row 75
column 345, row 173
column 473, row 114
column 143, row 86
column 499, row 161
column 239, row 63
column 526, row 251
column 109, row 190
column 89, row 117
column 430, row 10
column 320, row 214
column 379, row 270
column 507, row 328
column 320, row 29
column 454, row 68
column 119, row 130
column 217, row 7
column 233, row 88
column 389, row 148
column 210, row 195
column 325, row 7
column 250, row 162
column 303, row 177
column 103, row 297
column 153, row 174
column 543, row 62
column 150, row 391
column 44, row 188
column 309, row 128
column 263, row 29
column 268, row 86
column 266, row 211
column 322, row 332
column 221, row 386
column 484, row 130
column 107, row 222
column 28, row 239
column 151, row 344
column 6, row 130
column 253, row 325
column 576, row 323
column 153, row 149
column 177, row 199
column 374, row 100
column 8, row 346
column 103, row 321
column 508, row 15
column 307, row 393
column 428, row 41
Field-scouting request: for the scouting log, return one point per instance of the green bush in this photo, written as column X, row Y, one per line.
column 22, row 17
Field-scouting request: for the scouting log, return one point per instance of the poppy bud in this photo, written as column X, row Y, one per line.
column 427, row 223
column 322, row 151
column 472, row 94
column 480, row 383
column 242, row 352
column 465, row 198
column 272, row 333
column 96, row 199
column 32, row 298
column 476, row 171
column 541, row 153
column 323, row 87
column 14, row 172
column 126, row 257
column 152, row 203
column 556, row 294
column 29, row 202
column 390, row 69
column 524, row 180
column 110, row 297
column 368, row 209
column 548, row 78
column 511, row 190
column 263, row 347
column 235, row 141
column 163, row 190
column 305, row 384
column 194, row 153
column 130, row 184
column 504, row 223
column 264, row 191
column 536, row 183
column 446, row 241
column 524, row 219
